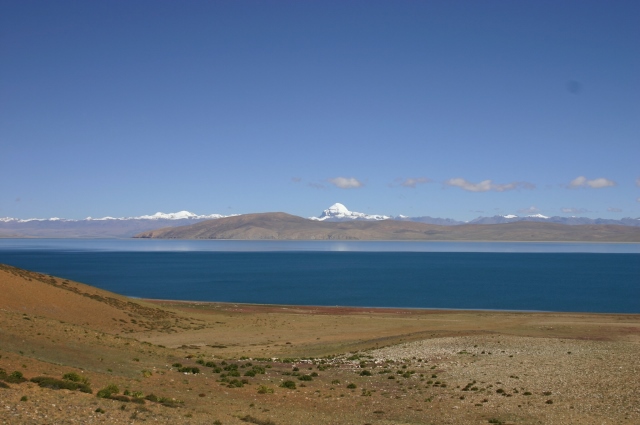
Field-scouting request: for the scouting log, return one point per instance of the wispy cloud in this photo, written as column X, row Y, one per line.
column 316, row 185
column 612, row 209
column 346, row 182
column 574, row 210
column 296, row 179
column 488, row 185
column 529, row 210
column 638, row 182
column 599, row 183
column 410, row 182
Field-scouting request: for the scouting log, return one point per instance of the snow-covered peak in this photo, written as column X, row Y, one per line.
column 337, row 208
column 510, row 216
column 537, row 216
column 180, row 215
column 337, row 212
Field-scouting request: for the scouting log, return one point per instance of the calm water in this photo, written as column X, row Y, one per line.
column 509, row 276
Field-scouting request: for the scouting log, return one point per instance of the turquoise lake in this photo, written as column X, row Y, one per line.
column 575, row 277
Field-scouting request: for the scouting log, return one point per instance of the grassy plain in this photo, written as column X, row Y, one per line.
column 266, row 364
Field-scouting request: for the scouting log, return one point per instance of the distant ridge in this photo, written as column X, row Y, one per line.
column 105, row 227
column 126, row 227
column 282, row 226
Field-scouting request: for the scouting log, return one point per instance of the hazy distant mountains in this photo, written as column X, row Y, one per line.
column 106, row 227
column 338, row 212
column 110, row 227
column 281, row 226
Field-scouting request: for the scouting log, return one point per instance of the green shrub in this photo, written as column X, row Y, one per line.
column 57, row 384
column 365, row 373
column 288, row 384
column 263, row 389
column 351, row 386
column 108, row 391
column 305, row 378
column 15, row 378
column 72, row 376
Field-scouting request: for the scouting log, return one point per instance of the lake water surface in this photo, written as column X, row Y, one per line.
column 585, row 277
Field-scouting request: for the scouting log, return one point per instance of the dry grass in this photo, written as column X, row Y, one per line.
column 447, row 367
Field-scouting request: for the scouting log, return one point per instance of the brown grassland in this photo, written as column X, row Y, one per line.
column 74, row 354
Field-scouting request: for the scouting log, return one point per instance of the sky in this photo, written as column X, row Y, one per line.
column 453, row 109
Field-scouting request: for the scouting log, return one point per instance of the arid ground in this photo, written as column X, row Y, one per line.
column 74, row 354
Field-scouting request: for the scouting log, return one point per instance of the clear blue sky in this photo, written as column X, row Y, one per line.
column 442, row 108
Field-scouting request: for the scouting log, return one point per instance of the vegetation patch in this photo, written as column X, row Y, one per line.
column 62, row 384
column 253, row 420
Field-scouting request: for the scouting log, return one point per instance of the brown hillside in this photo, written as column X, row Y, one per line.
column 36, row 294
column 283, row 226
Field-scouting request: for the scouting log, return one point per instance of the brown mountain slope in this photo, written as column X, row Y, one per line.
column 283, row 226
column 36, row 294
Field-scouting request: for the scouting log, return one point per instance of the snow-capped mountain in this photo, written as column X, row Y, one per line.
column 105, row 227
column 180, row 215
column 338, row 212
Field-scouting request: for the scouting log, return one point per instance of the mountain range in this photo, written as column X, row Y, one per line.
column 282, row 226
column 125, row 227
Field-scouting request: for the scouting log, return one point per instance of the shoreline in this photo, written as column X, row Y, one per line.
column 340, row 309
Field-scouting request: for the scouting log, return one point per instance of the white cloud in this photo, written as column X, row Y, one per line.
column 638, row 182
column 346, row 182
column 599, row 183
column 530, row 210
column 413, row 182
column 612, row 209
column 487, row 185
column 574, row 210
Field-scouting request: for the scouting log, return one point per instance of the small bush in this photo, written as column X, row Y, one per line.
column 263, row 389
column 108, row 391
column 257, row 421
column 365, row 373
column 351, row 386
column 288, row 384
column 305, row 378
column 58, row 384
column 15, row 378
column 74, row 377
